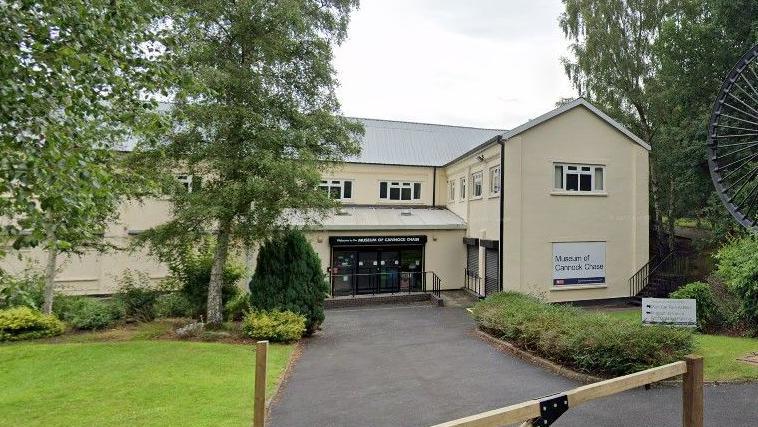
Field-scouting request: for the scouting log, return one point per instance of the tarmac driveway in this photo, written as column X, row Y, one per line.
column 409, row 365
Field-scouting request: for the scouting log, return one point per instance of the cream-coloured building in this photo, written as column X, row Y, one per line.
column 557, row 206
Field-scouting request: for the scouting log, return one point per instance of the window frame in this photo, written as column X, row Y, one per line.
column 477, row 176
column 414, row 187
column 495, row 182
column 185, row 180
column 579, row 171
column 451, row 190
column 329, row 184
column 462, row 188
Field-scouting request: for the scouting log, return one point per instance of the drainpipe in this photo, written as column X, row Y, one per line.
column 501, row 141
column 434, row 186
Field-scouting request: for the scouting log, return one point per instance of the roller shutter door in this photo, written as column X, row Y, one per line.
column 472, row 259
column 491, row 267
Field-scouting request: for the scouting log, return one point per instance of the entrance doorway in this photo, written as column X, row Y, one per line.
column 377, row 270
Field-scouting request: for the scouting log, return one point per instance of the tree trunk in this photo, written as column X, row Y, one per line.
column 52, row 259
column 671, row 220
column 215, row 304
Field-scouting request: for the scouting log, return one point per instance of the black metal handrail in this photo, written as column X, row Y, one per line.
column 670, row 268
column 352, row 284
column 472, row 281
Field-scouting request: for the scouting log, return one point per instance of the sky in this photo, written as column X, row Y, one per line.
column 482, row 63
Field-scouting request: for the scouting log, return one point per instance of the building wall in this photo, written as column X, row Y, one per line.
column 536, row 216
column 366, row 179
column 444, row 252
column 93, row 273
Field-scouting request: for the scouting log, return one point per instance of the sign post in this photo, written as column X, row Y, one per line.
column 259, row 403
column 669, row 311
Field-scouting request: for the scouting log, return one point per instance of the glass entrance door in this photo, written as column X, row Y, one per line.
column 368, row 266
column 411, row 276
column 389, row 271
column 343, row 272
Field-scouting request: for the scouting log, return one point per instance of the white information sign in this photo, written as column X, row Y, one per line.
column 669, row 311
column 578, row 263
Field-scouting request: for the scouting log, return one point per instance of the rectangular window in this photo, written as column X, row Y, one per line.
column 389, row 190
column 462, row 187
column 476, row 184
column 495, row 180
column 579, row 178
column 451, row 191
column 185, row 181
column 337, row 189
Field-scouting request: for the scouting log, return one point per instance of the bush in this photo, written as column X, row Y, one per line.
column 173, row 304
column 137, row 296
column 191, row 269
column 710, row 315
column 276, row 326
column 86, row 313
column 23, row 290
column 23, row 323
column 288, row 276
column 738, row 266
column 237, row 307
column 589, row 342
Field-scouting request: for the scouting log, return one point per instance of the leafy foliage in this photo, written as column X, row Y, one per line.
column 23, row 290
column 589, row 342
column 86, row 313
column 738, row 266
column 23, row 323
column 256, row 116
column 276, row 326
column 173, row 304
column 137, row 296
column 711, row 316
column 288, row 276
column 237, row 307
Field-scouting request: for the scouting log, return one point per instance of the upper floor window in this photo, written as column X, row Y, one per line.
column 476, row 184
column 581, row 178
column 495, row 180
column 396, row 190
column 463, row 188
column 189, row 182
column 451, row 190
column 337, row 189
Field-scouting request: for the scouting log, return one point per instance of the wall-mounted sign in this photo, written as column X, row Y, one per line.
column 669, row 311
column 578, row 263
column 376, row 240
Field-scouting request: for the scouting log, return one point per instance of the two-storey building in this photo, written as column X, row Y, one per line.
column 557, row 206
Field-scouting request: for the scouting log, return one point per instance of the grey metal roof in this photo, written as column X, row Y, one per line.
column 384, row 218
column 422, row 144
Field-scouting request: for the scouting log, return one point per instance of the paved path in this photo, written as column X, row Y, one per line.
column 421, row 365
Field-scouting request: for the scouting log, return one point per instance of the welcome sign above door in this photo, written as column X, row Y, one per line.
column 376, row 240
column 578, row 263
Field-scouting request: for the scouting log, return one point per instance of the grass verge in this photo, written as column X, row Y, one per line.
column 130, row 381
column 720, row 353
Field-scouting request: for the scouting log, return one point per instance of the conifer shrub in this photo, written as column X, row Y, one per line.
column 589, row 342
column 288, row 276
column 23, row 323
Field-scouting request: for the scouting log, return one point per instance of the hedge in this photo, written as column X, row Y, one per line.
column 589, row 342
column 275, row 325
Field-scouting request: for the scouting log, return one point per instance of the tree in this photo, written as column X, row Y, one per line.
column 74, row 76
column 288, row 276
column 613, row 62
column 256, row 117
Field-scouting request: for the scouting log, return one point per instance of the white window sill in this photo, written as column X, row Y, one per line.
column 579, row 193
column 494, row 195
column 577, row 287
column 476, row 198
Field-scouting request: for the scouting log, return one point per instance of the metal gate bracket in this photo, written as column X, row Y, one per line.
column 551, row 407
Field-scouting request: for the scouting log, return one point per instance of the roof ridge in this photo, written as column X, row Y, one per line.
column 428, row 124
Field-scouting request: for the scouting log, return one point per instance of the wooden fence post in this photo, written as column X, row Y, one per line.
column 259, row 407
column 692, row 392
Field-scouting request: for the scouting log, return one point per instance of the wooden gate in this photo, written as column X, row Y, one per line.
column 544, row 411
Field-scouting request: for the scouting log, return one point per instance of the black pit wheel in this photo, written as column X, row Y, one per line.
column 733, row 141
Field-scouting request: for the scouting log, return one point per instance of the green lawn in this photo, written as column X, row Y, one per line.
column 720, row 353
column 145, row 383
